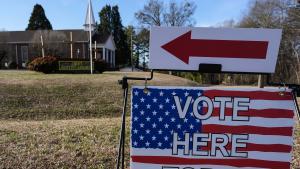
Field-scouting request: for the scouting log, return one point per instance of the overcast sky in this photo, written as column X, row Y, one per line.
column 70, row 14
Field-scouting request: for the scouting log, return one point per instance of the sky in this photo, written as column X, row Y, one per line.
column 70, row 14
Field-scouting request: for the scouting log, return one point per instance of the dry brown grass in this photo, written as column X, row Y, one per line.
column 89, row 143
column 79, row 142
column 296, row 147
column 90, row 106
column 35, row 96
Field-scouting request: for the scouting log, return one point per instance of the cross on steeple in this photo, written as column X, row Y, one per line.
column 87, row 19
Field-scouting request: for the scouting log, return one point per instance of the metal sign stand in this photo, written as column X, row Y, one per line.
column 295, row 92
column 125, row 86
column 203, row 68
column 296, row 104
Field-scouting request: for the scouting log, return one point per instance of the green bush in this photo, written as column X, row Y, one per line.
column 100, row 65
column 48, row 64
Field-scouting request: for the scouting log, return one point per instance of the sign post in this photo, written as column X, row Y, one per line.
column 211, row 128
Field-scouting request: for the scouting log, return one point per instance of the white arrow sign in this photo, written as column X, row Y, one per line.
column 237, row 50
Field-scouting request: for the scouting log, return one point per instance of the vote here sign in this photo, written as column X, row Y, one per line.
column 215, row 128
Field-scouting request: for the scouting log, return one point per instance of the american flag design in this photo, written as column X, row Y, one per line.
column 266, row 135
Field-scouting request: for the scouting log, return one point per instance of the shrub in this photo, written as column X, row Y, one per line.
column 48, row 64
column 100, row 65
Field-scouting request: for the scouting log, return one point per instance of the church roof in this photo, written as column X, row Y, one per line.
column 87, row 18
column 50, row 36
column 100, row 38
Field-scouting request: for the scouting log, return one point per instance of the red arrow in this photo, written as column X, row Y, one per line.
column 185, row 47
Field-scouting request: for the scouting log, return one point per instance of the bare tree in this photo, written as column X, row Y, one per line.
column 227, row 24
column 266, row 14
column 180, row 14
column 158, row 13
column 292, row 26
column 279, row 14
column 154, row 13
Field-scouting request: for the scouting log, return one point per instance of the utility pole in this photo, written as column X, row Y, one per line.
column 261, row 81
column 90, row 30
column 71, row 44
column 131, row 49
column 95, row 49
column 43, row 50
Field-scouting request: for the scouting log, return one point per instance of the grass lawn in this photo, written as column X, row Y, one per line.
column 68, row 121
column 34, row 96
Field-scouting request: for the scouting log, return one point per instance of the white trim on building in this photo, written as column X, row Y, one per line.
column 107, row 51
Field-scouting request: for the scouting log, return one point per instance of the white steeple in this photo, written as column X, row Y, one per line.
column 88, row 19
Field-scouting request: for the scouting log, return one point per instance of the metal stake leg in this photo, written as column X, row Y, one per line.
column 296, row 104
column 121, row 151
column 123, row 145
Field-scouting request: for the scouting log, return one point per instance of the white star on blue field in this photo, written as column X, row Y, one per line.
column 155, row 118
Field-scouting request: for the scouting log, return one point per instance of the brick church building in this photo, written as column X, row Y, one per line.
column 20, row 47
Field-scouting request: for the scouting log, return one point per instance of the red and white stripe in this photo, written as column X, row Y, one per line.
column 270, row 130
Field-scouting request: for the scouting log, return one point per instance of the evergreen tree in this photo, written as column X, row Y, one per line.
column 105, row 26
column 38, row 19
column 111, row 23
column 140, row 44
column 123, row 51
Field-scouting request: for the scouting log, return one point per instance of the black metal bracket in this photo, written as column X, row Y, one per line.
column 124, row 81
column 295, row 92
column 210, row 68
column 296, row 104
column 125, row 86
column 213, row 68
